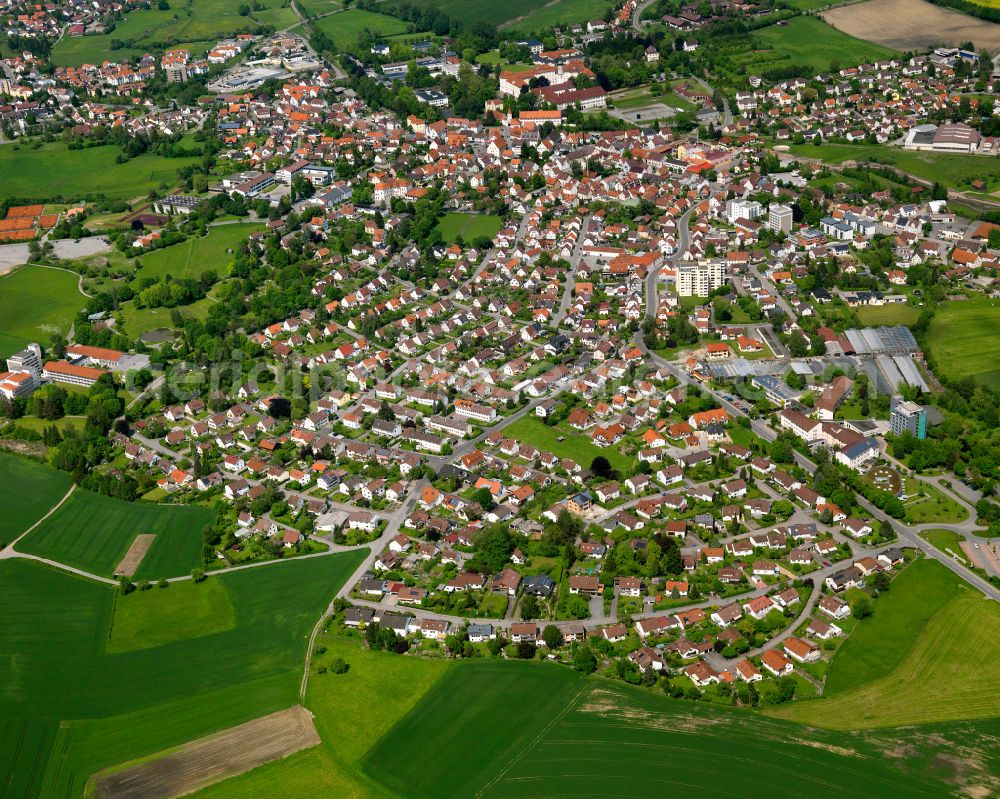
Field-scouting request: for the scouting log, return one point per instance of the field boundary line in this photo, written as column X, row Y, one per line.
column 52, row 510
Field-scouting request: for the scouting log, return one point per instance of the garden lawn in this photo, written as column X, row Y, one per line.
column 511, row 729
column 53, row 171
column 468, row 226
column 963, row 340
column 93, row 532
column 27, row 492
column 196, row 255
column 36, row 302
column 144, row 619
column 812, row 42
column 134, row 704
column 344, row 27
column 576, row 446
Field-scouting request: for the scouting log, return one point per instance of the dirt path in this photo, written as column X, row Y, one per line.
column 214, row 758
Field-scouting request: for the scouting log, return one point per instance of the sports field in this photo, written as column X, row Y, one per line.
column 61, row 688
column 344, row 26
column 510, row 729
column 964, row 342
column 27, row 492
column 468, row 226
column 93, row 532
column 52, row 172
column 196, row 255
column 810, row 41
column 36, row 302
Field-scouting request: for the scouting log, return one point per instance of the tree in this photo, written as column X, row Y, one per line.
column 881, row 582
column 526, row 650
column 494, row 548
column 552, row 636
column 529, row 608
column 584, row 660
column 862, row 607
column 601, row 467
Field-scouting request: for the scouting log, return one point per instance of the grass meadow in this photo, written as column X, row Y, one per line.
column 65, row 695
column 344, row 26
column 192, row 257
column 53, row 171
column 964, row 342
column 36, row 302
column 560, row 13
column 955, row 171
column 575, row 445
column 468, row 226
column 196, row 24
column 93, row 532
column 812, row 42
column 896, row 314
column 27, row 492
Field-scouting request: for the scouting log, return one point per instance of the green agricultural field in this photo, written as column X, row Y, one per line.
column 144, row 619
column 470, row 11
column 36, row 302
column 468, row 226
column 27, row 492
column 196, row 255
column 107, row 709
column 93, row 532
column 896, row 314
column 575, row 445
column 314, row 8
column 811, row 42
column 510, row 729
column 955, row 171
column 53, row 171
column 344, row 27
column 185, row 23
column 963, row 340
column 559, row 14
column 353, row 711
